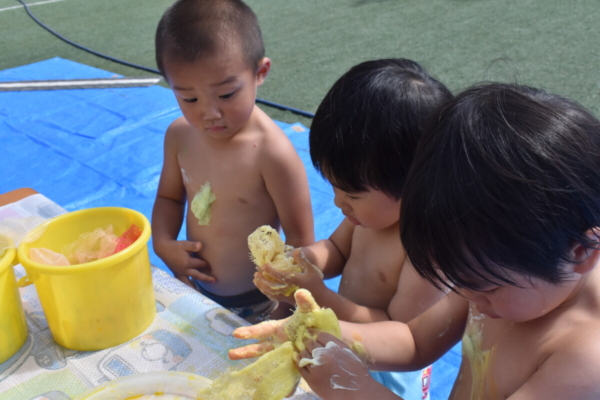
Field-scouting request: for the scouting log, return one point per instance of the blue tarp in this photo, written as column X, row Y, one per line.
column 103, row 147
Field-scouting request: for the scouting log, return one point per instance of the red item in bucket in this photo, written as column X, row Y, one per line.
column 127, row 238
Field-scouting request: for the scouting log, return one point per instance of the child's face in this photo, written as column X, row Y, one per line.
column 216, row 94
column 530, row 299
column 371, row 209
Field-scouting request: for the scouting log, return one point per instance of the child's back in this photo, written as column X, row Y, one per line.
column 225, row 158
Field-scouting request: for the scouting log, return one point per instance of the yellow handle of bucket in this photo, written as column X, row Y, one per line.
column 25, row 281
column 28, row 279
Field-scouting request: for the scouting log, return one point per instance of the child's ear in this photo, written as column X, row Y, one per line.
column 264, row 66
column 586, row 258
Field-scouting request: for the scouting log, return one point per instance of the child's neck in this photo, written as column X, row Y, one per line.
column 393, row 229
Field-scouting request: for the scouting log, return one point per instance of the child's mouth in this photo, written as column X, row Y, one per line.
column 353, row 220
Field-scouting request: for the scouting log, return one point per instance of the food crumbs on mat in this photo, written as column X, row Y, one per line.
column 201, row 204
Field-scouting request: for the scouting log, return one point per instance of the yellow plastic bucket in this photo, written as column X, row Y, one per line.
column 99, row 304
column 13, row 327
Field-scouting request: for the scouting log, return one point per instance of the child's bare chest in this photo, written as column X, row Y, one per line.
column 370, row 276
column 234, row 174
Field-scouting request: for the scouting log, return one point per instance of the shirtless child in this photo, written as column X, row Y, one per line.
column 504, row 208
column 225, row 158
column 362, row 140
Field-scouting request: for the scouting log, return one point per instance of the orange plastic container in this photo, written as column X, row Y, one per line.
column 99, row 304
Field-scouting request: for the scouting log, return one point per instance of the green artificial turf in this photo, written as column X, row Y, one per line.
column 552, row 44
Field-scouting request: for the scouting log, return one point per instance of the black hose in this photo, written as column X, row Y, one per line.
column 141, row 67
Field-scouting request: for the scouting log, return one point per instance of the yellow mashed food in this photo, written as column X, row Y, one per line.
column 201, row 204
column 266, row 247
column 274, row 375
column 159, row 396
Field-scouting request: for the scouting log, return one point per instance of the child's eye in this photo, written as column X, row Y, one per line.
column 352, row 197
column 190, row 100
column 227, row 96
column 492, row 290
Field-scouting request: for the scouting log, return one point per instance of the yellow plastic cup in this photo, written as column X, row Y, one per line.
column 13, row 327
column 99, row 304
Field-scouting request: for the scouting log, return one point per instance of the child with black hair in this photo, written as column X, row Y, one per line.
column 504, row 209
column 225, row 158
column 362, row 140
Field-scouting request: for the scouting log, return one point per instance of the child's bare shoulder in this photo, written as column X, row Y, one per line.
column 178, row 133
column 273, row 141
column 577, row 338
column 570, row 366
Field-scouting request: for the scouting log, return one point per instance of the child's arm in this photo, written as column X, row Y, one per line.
column 310, row 279
column 396, row 346
column 414, row 295
column 330, row 255
column 287, row 184
column 167, row 217
column 388, row 345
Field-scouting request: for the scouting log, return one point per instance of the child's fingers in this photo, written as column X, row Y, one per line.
column 311, row 345
column 301, row 260
column 303, row 354
column 305, row 302
column 197, row 263
column 199, row 276
column 279, row 276
column 266, row 287
column 264, row 330
column 190, row 246
column 250, row 351
column 305, row 264
column 306, row 370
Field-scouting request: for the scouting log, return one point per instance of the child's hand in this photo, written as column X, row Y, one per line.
column 311, row 279
column 330, row 368
column 181, row 257
column 268, row 332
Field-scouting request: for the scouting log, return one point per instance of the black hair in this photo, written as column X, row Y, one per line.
column 365, row 131
column 506, row 179
column 193, row 29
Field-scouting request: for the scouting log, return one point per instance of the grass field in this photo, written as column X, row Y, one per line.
column 550, row 44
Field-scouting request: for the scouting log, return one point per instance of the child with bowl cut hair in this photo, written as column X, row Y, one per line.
column 504, row 209
column 362, row 140
column 225, row 158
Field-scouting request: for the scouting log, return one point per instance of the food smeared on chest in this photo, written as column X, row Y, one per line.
column 483, row 385
column 184, row 176
column 201, row 204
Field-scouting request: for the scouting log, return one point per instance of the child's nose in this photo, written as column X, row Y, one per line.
column 475, row 297
column 210, row 111
column 338, row 201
